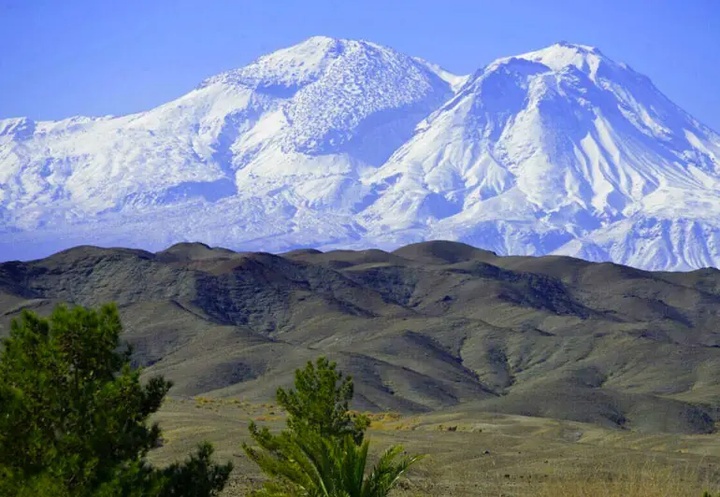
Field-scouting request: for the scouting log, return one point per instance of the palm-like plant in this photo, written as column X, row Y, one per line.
column 309, row 465
column 383, row 477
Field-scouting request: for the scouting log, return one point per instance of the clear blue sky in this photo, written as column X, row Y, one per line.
column 94, row 57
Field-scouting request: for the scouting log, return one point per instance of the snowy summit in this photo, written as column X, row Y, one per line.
column 340, row 143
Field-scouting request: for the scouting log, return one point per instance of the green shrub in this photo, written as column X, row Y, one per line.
column 74, row 414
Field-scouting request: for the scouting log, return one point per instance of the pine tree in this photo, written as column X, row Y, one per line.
column 321, row 401
column 74, row 414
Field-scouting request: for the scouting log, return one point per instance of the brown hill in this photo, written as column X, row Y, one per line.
column 430, row 326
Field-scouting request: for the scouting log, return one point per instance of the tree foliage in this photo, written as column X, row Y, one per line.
column 322, row 453
column 321, row 402
column 74, row 414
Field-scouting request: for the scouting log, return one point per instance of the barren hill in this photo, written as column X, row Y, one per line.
column 429, row 326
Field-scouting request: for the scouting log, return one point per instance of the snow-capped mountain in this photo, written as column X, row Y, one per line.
column 339, row 143
column 560, row 151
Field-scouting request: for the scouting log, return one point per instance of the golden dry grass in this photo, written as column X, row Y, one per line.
column 622, row 478
column 473, row 454
column 629, row 479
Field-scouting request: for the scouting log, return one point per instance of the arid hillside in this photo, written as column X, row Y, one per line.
column 430, row 326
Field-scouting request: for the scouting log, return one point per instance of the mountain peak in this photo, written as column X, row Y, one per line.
column 319, row 40
column 290, row 66
column 576, row 47
column 300, row 64
column 563, row 55
column 315, row 46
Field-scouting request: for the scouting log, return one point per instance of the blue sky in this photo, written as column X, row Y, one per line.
column 94, row 57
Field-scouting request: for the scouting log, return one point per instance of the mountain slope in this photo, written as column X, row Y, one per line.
column 426, row 327
column 290, row 132
column 560, row 150
column 348, row 144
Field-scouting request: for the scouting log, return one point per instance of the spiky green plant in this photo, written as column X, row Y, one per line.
column 309, row 465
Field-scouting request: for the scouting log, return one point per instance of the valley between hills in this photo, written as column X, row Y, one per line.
column 527, row 369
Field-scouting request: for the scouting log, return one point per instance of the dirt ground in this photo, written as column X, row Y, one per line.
column 475, row 454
